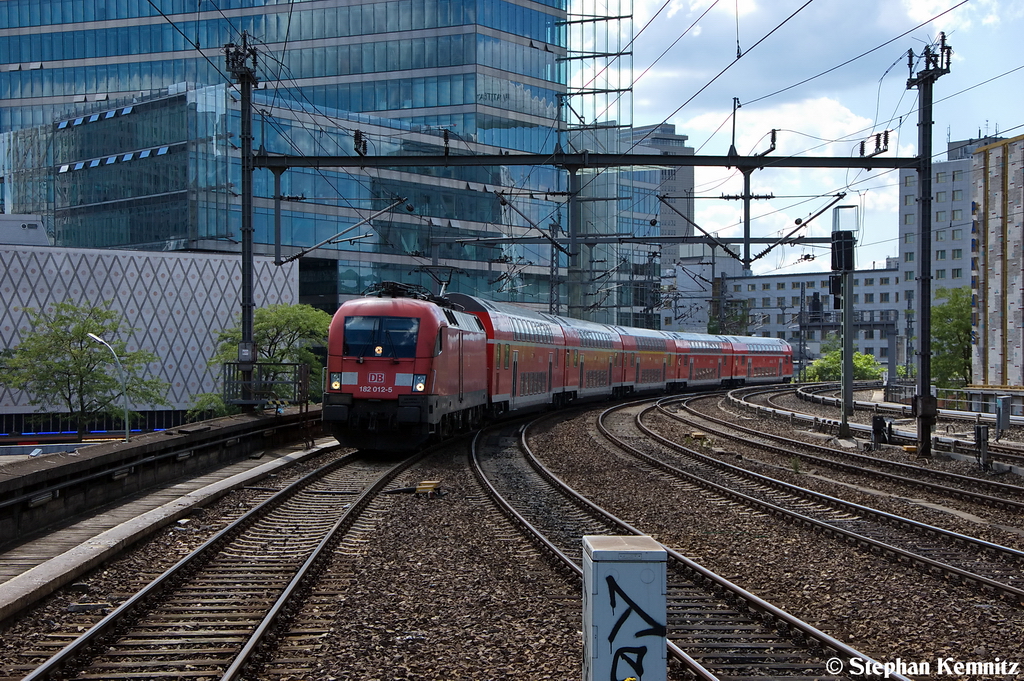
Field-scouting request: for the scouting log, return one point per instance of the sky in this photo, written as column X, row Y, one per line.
column 684, row 84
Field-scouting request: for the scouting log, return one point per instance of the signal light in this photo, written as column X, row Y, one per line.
column 842, row 250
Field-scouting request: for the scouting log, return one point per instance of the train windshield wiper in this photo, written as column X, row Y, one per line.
column 391, row 344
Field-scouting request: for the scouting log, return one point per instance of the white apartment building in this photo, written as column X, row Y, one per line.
column 952, row 198
column 798, row 307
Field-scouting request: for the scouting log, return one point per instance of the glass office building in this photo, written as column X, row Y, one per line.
column 120, row 125
column 486, row 68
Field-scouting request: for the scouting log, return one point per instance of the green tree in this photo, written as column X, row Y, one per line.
column 62, row 369
column 829, row 367
column 831, row 343
column 951, row 338
column 282, row 334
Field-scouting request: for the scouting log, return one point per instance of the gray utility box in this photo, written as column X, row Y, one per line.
column 624, row 613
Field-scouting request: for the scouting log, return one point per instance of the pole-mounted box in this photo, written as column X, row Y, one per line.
column 842, row 250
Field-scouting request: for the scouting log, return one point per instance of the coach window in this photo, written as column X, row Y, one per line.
column 439, row 343
column 507, row 352
column 575, row 358
column 497, row 355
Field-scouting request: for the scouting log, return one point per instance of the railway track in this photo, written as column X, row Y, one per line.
column 959, row 557
column 716, row 629
column 1001, row 494
column 209, row 614
column 1008, row 453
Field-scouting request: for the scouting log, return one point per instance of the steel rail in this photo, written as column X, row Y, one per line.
column 774, row 509
column 766, row 612
column 755, row 602
column 694, row 667
column 312, row 565
column 129, row 608
column 1012, row 455
column 868, row 460
column 998, row 452
column 515, row 515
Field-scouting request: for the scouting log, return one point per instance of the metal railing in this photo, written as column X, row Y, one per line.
column 958, row 399
column 61, row 424
column 829, row 318
column 272, row 383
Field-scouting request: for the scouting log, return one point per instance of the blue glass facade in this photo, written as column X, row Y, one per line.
column 370, row 19
column 430, row 54
column 162, row 173
column 132, row 132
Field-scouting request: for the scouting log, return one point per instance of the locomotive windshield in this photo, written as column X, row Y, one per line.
column 381, row 336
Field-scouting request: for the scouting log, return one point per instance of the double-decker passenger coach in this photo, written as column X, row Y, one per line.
column 405, row 366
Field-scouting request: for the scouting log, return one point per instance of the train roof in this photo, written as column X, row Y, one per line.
column 637, row 331
column 474, row 304
column 757, row 340
column 692, row 337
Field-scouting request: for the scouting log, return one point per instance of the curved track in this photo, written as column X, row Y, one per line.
column 989, row 565
column 1002, row 494
column 716, row 629
column 1002, row 452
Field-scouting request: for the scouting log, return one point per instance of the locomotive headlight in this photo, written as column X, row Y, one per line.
column 378, row 351
column 419, row 383
column 335, row 381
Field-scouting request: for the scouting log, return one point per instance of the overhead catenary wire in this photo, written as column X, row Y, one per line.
column 229, row 80
column 737, row 43
column 713, row 79
column 277, row 78
column 859, row 56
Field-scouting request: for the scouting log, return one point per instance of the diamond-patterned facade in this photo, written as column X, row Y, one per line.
column 176, row 302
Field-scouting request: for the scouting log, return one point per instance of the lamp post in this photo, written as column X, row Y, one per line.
column 124, row 386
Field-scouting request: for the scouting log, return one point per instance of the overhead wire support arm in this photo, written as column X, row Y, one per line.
column 714, row 240
column 576, row 161
column 337, row 237
column 506, row 202
column 800, row 224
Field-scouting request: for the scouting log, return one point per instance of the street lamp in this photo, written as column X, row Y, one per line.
column 120, row 372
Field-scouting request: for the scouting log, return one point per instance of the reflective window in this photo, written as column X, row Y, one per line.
column 366, row 336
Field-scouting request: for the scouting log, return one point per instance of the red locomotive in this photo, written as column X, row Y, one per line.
column 404, row 366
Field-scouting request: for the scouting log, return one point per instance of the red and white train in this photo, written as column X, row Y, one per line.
column 402, row 368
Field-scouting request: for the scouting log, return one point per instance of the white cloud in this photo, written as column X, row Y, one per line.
column 835, row 102
column 799, row 192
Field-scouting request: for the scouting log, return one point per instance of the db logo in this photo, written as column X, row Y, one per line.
column 375, row 378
